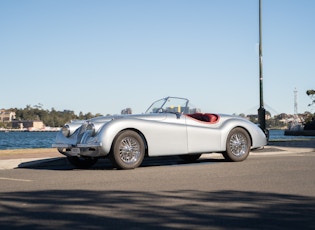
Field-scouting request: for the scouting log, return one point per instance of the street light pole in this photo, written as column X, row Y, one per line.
column 261, row 110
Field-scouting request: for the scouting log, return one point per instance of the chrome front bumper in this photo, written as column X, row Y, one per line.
column 89, row 150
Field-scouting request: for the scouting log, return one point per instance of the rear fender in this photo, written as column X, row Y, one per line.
column 229, row 126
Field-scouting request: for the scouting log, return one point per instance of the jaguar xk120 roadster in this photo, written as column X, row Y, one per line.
column 169, row 127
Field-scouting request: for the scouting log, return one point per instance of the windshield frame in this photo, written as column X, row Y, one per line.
column 167, row 105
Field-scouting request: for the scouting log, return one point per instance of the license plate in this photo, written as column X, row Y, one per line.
column 75, row 150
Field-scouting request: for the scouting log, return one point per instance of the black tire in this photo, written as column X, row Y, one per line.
column 82, row 162
column 128, row 150
column 238, row 145
column 190, row 158
column 60, row 150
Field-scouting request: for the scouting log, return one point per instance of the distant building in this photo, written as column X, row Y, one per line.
column 180, row 109
column 194, row 110
column 6, row 116
column 30, row 125
column 126, row 111
column 254, row 117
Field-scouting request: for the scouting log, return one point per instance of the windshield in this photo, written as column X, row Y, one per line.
column 169, row 105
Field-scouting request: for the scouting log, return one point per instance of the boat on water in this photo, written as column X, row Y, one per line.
column 299, row 132
column 297, row 128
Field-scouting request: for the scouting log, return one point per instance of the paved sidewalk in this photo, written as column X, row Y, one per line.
column 10, row 159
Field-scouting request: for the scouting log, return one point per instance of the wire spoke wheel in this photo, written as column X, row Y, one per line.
column 238, row 145
column 128, row 150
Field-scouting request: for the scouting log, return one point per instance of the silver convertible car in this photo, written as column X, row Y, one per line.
column 169, row 127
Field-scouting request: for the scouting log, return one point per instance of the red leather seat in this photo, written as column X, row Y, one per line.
column 205, row 117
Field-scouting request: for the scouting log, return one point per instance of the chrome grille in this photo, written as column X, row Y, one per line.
column 81, row 130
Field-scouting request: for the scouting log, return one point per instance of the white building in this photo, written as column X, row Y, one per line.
column 6, row 116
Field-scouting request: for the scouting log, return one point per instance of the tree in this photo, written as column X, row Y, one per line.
column 51, row 118
column 311, row 94
column 310, row 123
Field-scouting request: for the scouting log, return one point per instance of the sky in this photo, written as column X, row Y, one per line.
column 102, row 56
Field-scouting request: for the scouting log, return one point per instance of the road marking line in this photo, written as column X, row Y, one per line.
column 4, row 178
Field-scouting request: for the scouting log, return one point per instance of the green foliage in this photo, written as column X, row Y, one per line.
column 309, row 122
column 5, row 125
column 50, row 118
column 311, row 94
column 274, row 123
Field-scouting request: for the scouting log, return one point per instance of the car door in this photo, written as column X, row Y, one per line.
column 167, row 136
column 202, row 136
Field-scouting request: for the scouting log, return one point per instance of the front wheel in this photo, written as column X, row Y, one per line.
column 128, row 150
column 237, row 145
column 82, row 162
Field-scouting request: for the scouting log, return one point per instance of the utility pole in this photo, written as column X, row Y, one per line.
column 261, row 110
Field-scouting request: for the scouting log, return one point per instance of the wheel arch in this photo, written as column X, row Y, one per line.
column 238, row 144
column 225, row 137
column 135, row 130
column 249, row 134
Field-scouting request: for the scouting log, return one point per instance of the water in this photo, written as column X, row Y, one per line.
column 24, row 140
column 279, row 135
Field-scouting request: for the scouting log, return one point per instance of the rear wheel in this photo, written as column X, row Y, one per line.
column 82, row 162
column 237, row 145
column 190, row 158
column 128, row 150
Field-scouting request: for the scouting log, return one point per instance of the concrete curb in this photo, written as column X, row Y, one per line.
column 23, row 163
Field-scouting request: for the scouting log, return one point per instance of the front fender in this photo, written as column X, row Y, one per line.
column 162, row 137
column 110, row 130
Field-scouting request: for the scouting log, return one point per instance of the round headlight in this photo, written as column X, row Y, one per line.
column 65, row 130
column 91, row 128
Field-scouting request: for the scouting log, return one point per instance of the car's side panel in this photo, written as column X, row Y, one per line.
column 206, row 137
column 164, row 137
column 202, row 136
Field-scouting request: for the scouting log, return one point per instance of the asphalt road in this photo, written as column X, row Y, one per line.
column 264, row 192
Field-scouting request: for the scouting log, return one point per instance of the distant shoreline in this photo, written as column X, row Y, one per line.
column 27, row 130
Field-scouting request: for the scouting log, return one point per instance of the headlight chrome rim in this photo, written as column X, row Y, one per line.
column 66, row 130
column 91, row 127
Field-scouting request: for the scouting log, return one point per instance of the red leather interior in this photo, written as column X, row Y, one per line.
column 205, row 117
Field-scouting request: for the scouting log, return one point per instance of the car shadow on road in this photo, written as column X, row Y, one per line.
column 61, row 163
column 176, row 209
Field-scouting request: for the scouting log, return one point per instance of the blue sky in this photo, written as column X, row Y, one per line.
column 102, row 56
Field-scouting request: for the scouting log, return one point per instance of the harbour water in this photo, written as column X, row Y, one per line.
column 23, row 140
